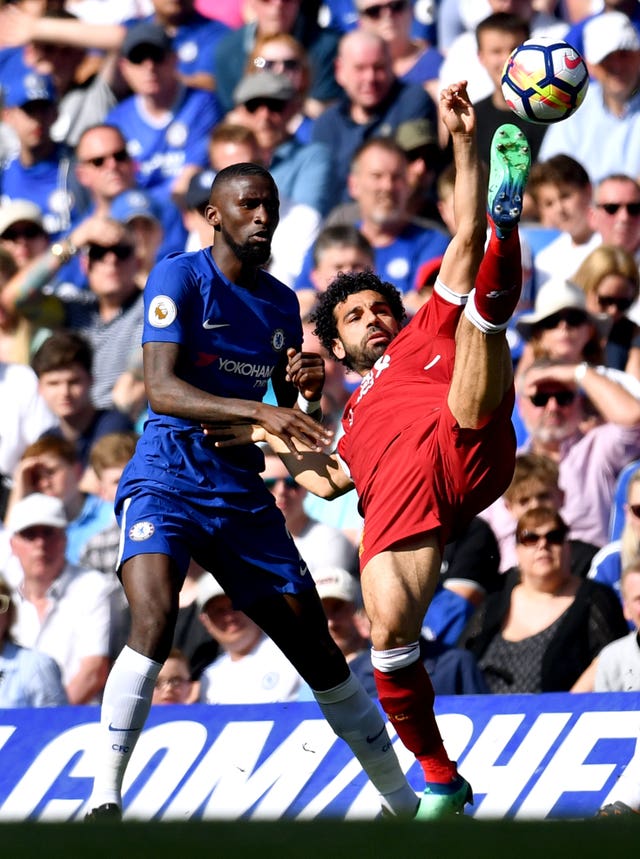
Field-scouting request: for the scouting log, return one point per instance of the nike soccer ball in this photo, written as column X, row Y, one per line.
column 544, row 80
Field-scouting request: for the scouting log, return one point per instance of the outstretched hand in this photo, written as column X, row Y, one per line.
column 456, row 110
column 297, row 430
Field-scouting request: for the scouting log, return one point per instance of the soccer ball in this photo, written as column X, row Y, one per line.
column 544, row 80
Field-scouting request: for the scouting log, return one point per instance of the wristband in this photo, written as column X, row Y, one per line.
column 580, row 372
column 309, row 407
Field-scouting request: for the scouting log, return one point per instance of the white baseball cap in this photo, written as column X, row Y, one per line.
column 607, row 33
column 337, row 583
column 36, row 509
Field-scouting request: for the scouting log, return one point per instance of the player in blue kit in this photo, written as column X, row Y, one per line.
column 217, row 329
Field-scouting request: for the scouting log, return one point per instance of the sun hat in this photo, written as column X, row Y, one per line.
column 14, row 211
column 553, row 297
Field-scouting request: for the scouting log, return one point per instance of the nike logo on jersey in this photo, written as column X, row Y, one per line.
column 211, row 325
column 129, row 730
column 432, row 363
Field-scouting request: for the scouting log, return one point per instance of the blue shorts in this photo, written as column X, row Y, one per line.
column 250, row 553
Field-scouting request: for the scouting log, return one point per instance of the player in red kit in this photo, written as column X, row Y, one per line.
column 428, row 441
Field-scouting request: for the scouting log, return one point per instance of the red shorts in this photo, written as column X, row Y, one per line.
column 436, row 475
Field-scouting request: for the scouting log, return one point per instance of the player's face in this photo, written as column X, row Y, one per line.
column 365, row 326
column 245, row 214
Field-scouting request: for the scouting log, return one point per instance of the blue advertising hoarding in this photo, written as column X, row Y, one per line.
column 526, row 756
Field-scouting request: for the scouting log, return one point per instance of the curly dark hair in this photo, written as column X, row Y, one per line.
column 344, row 285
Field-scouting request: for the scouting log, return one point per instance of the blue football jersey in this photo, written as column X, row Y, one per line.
column 231, row 339
column 161, row 150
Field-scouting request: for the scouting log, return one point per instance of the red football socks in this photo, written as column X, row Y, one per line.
column 407, row 698
column 499, row 281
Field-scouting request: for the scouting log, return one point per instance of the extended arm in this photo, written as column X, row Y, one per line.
column 320, row 473
column 170, row 395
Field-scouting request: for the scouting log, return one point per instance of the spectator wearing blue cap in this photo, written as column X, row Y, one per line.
column 40, row 171
column 167, row 125
column 265, row 103
column 140, row 213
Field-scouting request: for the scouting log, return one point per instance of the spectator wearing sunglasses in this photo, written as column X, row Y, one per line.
column 109, row 313
column 283, row 54
column 560, row 328
column 40, row 170
column 587, row 422
column 193, row 36
column 268, row 18
column 610, row 280
column 266, row 102
column 615, row 214
column 611, row 108
column 542, row 632
column 608, row 563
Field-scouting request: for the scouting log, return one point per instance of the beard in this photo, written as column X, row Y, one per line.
column 362, row 357
column 251, row 254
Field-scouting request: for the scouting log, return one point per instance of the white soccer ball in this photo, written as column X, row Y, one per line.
column 544, row 80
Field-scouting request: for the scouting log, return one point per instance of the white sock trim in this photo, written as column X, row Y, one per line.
column 448, row 294
column 472, row 314
column 387, row 661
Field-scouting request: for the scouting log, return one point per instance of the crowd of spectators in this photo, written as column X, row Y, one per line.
column 115, row 119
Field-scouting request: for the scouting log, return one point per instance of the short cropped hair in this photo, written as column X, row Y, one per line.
column 60, row 351
column 558, row 170
column 503, row 22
